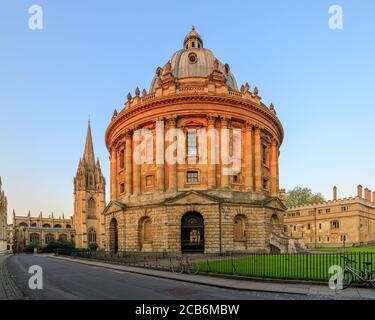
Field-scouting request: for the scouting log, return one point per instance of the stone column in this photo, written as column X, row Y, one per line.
column 248, row 158
column 224, row 153
column 212, row 153
column 258, row 160
column 113, row 165
column 128, row 162
column 160, row 153
column 137, row 161
column 273, row 169
column 172, row 167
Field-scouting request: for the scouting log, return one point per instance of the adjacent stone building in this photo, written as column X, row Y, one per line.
column 27, row 229
column 186, row 200
column 335, row 223
column 89, row 198
column 3, row 220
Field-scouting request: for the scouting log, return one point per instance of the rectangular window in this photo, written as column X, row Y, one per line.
column 192, row 176
column 149, row 181
column 320, row 226
column 122, row 159
column 328, row 210
column 122, row 187
column 149, row 149
column 236, row 144
column 308, row 227
column 236, row 179
column 265, row 184
column 264, row 154
column 192, row 143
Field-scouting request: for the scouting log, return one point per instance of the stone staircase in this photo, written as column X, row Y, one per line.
column 287, row 245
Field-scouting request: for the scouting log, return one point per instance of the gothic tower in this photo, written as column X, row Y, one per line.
column 89, row 198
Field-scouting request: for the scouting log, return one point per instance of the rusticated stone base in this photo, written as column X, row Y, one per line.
column 260, row 217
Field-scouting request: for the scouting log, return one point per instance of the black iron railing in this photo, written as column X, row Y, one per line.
column 296, row 266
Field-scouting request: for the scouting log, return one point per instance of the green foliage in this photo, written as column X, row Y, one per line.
column 302, row 196
column 93, row 246
column 61, row 244
column 30, row 248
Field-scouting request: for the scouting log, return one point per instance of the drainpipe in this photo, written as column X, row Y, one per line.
column 220, row 228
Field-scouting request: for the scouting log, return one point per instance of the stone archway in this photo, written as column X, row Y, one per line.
column 239, row 232
column 275, row 225
column 192, row 232
column 113, row 236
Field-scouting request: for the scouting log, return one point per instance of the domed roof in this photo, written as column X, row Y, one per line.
column 194, row 61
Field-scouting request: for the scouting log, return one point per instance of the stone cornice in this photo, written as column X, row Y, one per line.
column 210, row 98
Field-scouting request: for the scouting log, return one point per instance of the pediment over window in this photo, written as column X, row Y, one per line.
column 193, row 197
column 114, row 206
column 275, row 203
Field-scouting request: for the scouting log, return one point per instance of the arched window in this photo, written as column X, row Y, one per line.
column 92, row 236
column 239, row 228
column 63, row 237
column 46, row 225
column 34, row 237
column 49, row 237
column 147, row 230
column 68, row 226
column 33, row 225
column 91, row 206
column 58, row 226
column 275, row 225
column 23, row 224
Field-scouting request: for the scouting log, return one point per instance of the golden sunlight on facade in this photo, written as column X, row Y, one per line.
column 335, row 223
column 168, row 191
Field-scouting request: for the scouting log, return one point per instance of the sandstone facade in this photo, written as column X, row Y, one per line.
column 3, row 220
column 335, row 223
column 197, row 204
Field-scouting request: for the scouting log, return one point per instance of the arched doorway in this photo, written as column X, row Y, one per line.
column 192, row 232
column 113, row 236
column 145, row 234
column 239, row 232
column 275, row 225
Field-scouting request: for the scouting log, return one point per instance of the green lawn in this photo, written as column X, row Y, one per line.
column 351, row 249
column 313, row 266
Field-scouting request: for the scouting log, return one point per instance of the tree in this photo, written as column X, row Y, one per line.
column 302, row 196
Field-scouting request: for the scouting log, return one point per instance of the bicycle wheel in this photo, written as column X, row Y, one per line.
column 177, row 268
column 347, row 279
column 194, row 268
column 371, row 279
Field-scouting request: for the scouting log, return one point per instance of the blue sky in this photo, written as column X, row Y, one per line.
column 90, row 54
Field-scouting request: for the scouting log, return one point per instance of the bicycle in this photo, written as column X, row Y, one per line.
column 185, row 266
column 366, row 277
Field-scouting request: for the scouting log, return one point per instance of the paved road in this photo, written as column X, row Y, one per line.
column 70, row 280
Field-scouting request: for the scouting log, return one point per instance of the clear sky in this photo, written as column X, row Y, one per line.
column 90, row 54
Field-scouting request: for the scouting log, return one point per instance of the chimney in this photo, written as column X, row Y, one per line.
column 369, row 195
column 359, row 191
column 334, row 193
column 366, row 193
column 373, row 197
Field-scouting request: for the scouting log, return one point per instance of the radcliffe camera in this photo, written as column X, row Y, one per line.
column 188, row 158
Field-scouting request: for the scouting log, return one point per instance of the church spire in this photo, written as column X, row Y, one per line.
column 88, row 155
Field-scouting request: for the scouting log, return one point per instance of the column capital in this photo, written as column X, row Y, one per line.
column 172, row 121
column 248, row 126
column 128, row 133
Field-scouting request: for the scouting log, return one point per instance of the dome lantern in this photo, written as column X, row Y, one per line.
column 193, row 40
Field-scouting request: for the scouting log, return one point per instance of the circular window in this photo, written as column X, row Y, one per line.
column 193, row 57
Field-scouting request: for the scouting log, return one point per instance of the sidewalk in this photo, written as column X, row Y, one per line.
column 234, row 284
column 8, row 290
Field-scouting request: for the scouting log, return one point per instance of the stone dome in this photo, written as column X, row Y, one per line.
column 193, row 61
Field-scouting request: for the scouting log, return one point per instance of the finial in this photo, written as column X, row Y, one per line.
column 144, row 93
column 137, row 92
column 129, row 97
column 193, row 28
column 256, row 91
column 115, row 113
